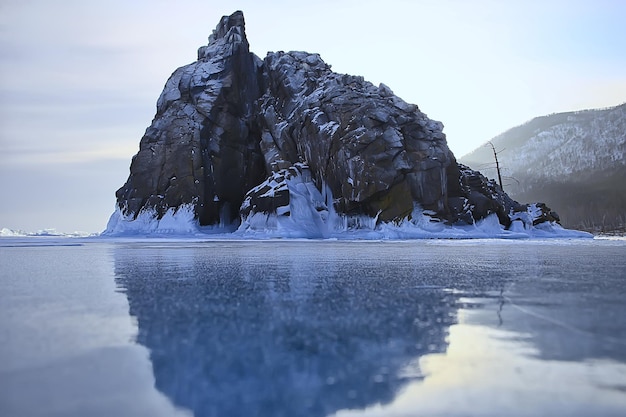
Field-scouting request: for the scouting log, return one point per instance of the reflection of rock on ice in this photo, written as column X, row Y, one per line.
column 249, row 330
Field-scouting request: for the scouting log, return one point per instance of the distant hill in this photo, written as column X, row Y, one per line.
column 574, row 162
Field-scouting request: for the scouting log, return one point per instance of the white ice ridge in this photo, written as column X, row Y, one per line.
column 421, row 226
column 307, row 222
column 310, row 214
column 50, row 232
column 174, row 223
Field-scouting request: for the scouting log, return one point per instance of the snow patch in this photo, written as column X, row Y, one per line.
column 330, row 127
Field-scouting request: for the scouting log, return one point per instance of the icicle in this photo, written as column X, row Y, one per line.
column 225, row 219
column 443, row 177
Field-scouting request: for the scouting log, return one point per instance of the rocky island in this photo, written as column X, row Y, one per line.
column 284, row 143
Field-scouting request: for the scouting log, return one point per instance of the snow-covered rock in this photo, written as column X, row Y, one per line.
column 376, row 153
column 286, row 144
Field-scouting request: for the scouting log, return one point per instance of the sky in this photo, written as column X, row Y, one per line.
column 79, row 80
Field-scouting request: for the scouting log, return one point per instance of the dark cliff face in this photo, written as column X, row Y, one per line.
column 229, row 125
column 202, row 148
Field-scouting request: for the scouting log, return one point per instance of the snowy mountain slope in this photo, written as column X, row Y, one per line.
column 561, row 144
column 575, row 161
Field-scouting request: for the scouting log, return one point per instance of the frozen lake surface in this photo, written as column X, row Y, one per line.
column 96, row 327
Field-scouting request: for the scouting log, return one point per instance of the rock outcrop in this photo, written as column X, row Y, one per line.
column 235, row 137
column 375, row 153
column 202, row 148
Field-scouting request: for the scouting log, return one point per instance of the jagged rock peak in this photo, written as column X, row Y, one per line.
column 227, row 24
column 228, row 36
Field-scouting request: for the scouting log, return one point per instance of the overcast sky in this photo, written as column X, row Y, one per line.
column 79, row 80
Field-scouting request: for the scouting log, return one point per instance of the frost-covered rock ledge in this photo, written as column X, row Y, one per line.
column 285, row 147
column 421, row 226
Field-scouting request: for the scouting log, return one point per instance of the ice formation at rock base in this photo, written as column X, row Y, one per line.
column 301, row 220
